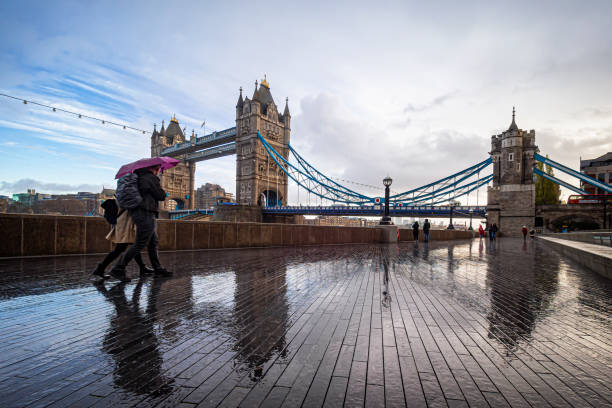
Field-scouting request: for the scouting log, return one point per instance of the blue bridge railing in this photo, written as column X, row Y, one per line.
column 376, row 210
column 362, row 210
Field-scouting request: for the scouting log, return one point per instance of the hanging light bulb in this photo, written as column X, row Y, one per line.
column 79, row 116
column 123, row 127
column 54, row 110
column 102, row 122
column 25, row 102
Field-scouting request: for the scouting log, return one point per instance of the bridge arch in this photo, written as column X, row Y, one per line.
column 574, row 222
column 176, row 203
column 269, row 198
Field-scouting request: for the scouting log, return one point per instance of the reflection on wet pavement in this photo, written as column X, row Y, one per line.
column 469, row 323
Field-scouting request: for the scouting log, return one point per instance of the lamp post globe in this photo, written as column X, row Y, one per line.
column 386, row 220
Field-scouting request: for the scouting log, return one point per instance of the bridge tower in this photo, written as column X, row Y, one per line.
column 511, row 198
column 178, row 181
column 258, row 179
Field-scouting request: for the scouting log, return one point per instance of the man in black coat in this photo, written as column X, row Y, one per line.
column 415, row 230
column 426, row 228
column 144, row 217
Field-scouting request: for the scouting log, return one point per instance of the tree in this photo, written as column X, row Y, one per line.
column 547, row 191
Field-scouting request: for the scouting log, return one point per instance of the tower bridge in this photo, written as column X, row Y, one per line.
column 200, row 144
column 266, row 163
column 259, row 181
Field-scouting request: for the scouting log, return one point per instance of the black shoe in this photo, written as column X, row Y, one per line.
column 118, row 272
column 145, row 270
column 99, row 272
column 162, row 272
column 99, row 285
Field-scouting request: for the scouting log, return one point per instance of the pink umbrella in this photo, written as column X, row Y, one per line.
column 164, row 162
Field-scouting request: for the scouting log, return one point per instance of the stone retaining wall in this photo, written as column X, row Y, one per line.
column 595, row 257
column 436, row 235
column 35, row 235
column 43, row 235
column 590, row 237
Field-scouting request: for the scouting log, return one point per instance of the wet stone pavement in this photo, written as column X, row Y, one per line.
column 446, row 324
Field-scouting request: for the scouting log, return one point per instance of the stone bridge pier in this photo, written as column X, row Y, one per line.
column 511, row 197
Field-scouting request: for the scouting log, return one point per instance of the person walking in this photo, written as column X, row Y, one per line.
column 493, row 232
column 426, row 227
column 122, row 234
column 415, row 230
column 481, row 232
column 144, row 217
column 524, row 230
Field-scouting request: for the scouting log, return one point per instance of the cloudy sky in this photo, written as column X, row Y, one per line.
column 410, row 89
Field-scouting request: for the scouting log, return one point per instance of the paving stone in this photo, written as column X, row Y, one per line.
column 355, row 393
column 463, row 324
column 375, row 396
column 394, row 389
column 336, row 392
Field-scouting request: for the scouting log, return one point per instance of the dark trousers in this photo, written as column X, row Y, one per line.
column 146, row 236
column 415, row 234
column 114, row 254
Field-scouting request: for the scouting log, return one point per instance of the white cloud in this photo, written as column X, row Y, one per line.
column 415, row 91
column 46, row 187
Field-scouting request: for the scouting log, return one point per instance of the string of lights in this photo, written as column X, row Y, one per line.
column 126, row 127
column 356, row 183
column 360, row 184
column 76, row 114
column 143, row 131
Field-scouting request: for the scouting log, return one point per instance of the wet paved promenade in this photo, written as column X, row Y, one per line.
column 449, row 324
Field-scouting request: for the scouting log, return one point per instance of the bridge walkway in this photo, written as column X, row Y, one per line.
column 469, row 323
column 597, row 256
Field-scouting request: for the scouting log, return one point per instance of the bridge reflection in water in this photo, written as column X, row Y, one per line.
column 409, row 323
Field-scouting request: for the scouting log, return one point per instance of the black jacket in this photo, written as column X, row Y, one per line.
column 150, row 189
column 426, row 226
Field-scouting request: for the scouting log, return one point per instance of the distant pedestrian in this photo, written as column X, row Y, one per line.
column 415, row 230
column 122, row 234
column 493, row 232
column 426, row 227
column 481, row 232
column 532, row 233
column 524, row 230
column 145, row 217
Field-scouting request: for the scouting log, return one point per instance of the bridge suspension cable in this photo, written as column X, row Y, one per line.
column 317, row 175
column 313, row 181
column 332, row 179
column 580, row 176
column 445, row 183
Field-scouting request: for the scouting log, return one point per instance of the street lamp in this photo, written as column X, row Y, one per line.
column 471, row 214
column 450, row 226
column 386, row 220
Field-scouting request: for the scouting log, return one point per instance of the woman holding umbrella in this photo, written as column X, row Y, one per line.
column 145, row 213
column 122, row 234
